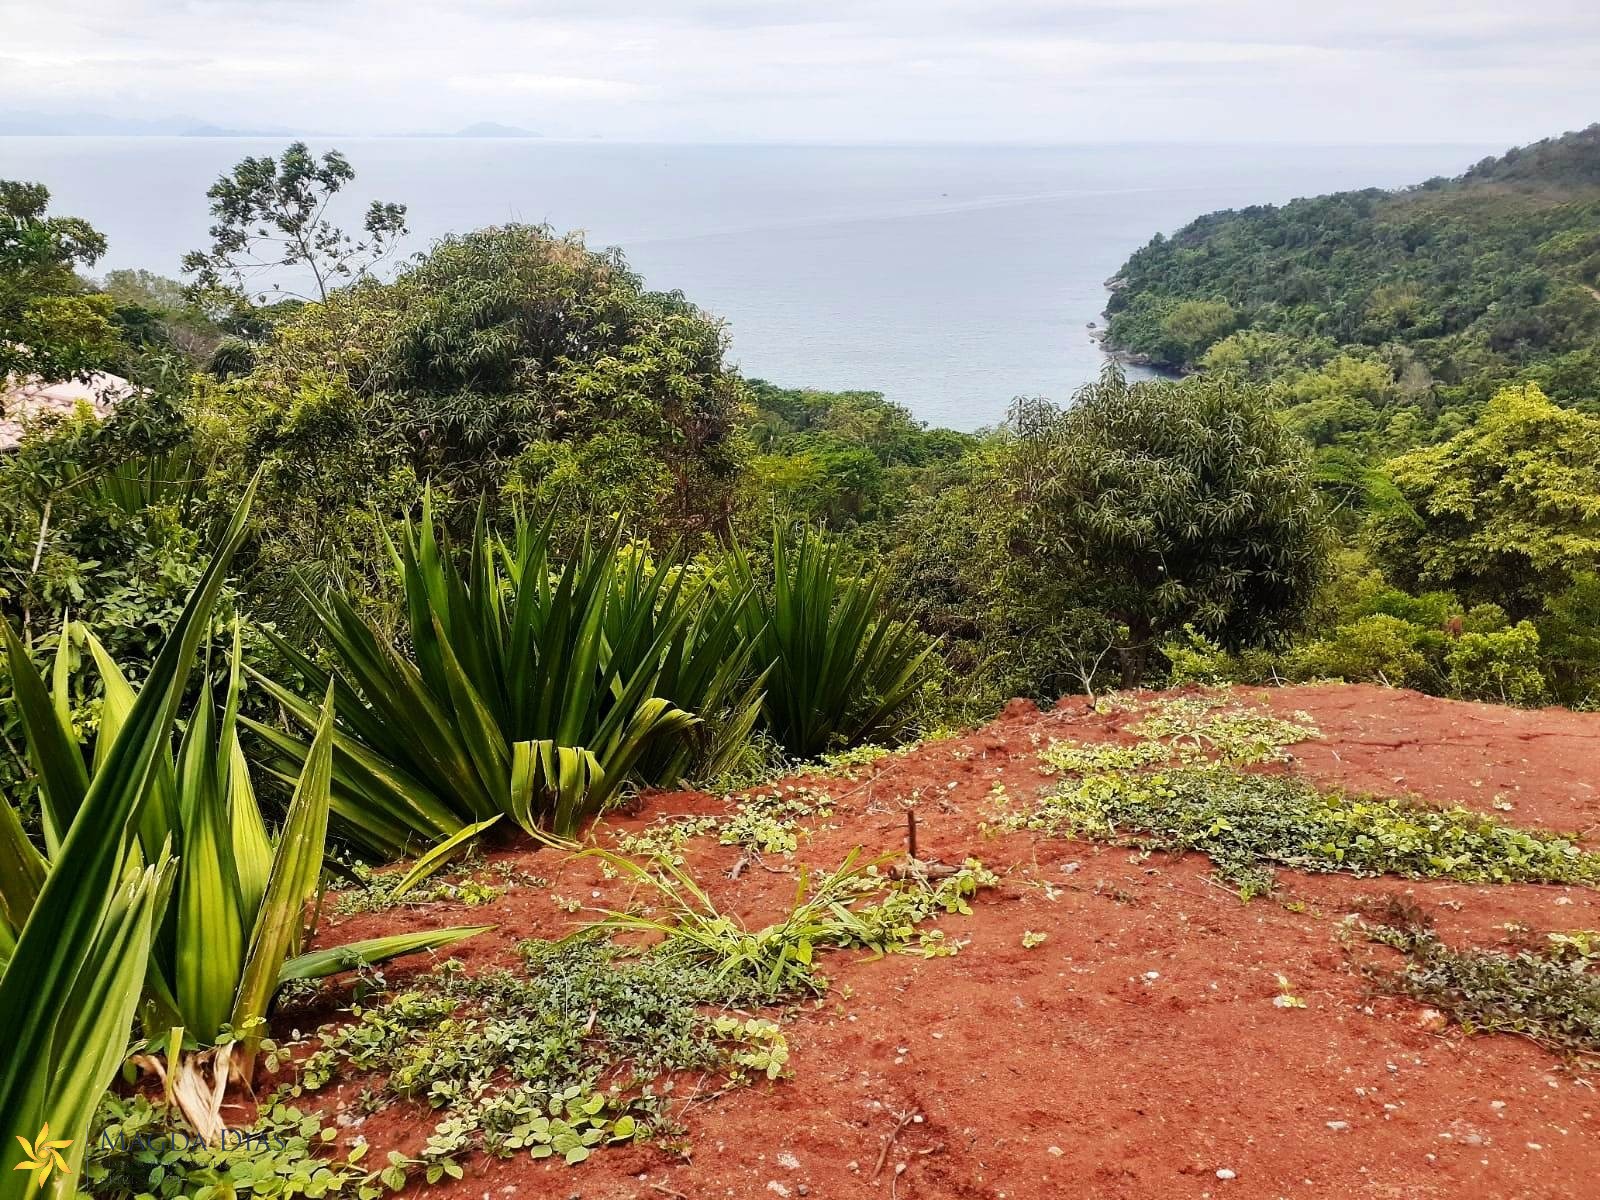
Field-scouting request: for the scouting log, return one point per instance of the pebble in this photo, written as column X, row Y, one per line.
column 1224, row 1173
column 785, row 1159
column 1338, row 1126
column 774, row 1186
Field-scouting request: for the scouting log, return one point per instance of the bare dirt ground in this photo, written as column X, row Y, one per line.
column 1136, row 1052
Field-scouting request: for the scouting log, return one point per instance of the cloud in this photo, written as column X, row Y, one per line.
column 519, row 82
column 857, row 70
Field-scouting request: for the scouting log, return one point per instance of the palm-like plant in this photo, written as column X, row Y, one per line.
column 236, row 924
column 81, row 934
column 533, row 690
column 844, row 668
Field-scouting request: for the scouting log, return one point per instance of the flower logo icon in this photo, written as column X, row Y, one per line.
column 43, row 1155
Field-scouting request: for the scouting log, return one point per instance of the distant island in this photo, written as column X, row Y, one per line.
column 35, row 124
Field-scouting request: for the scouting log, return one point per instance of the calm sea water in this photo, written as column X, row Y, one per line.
column 949, row 278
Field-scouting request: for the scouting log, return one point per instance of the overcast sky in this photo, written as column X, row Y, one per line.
column 824, row 70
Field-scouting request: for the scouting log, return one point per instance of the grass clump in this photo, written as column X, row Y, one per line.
column 833, row 913
column 1548, row 994
column 1251, row 824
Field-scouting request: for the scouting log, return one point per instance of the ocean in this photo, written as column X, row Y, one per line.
column 949, row 278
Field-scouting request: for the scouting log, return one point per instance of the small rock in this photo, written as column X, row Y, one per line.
column 1224, row 1173
column 785, row 1159
column 802, row 1189
column 1057, row 1151
column 1338, row 1126
column 774, row 1186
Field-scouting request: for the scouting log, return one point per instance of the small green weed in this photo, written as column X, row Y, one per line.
column 767, row 822
column 474, row 882
column 844, row 763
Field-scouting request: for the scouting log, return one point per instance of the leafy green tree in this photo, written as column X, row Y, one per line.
column 1506, row 512
column 1193, row 325
column 510, row 364
column 271, row 217
column 50, row 323
column 1174, row 504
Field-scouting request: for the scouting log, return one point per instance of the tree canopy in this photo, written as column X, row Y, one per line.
column 1506, row 512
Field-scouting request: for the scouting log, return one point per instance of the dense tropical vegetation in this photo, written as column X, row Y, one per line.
column 490, row 542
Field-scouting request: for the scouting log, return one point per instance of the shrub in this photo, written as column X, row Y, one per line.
column 1379, row 648
column 1169, row 504
column 845, row 667
column 534, row 688
column 1502, row 665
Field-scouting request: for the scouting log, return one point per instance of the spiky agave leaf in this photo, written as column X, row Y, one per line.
column 65, row 943
column 319, row 964
column 295, row 868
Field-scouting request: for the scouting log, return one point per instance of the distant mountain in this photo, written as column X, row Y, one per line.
column 101, row 125
column 493, row 129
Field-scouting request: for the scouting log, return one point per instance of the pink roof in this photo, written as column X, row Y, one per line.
column 24, row 401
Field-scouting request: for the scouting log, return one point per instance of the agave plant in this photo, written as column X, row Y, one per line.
column 80, row 935
column 533, row 690
column 844, row 669
column 234, row 932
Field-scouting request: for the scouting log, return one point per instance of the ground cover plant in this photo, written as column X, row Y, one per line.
column 1549, row 993
column 1251, row 823
column 763, row 822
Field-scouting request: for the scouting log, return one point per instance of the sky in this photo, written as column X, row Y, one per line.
column 1329, row 71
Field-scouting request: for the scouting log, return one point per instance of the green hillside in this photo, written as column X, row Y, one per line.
column 1457, row 285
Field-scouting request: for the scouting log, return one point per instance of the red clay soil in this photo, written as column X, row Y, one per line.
column 1137, row 1051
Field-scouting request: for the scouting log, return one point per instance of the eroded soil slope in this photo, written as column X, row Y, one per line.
column 1137, row 1050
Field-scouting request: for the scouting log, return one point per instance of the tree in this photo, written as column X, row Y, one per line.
column 50, row 324
column 1506, row 512
column 1193, row 325
column 1170, row 504
column 507, row 363
column 271, row 214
